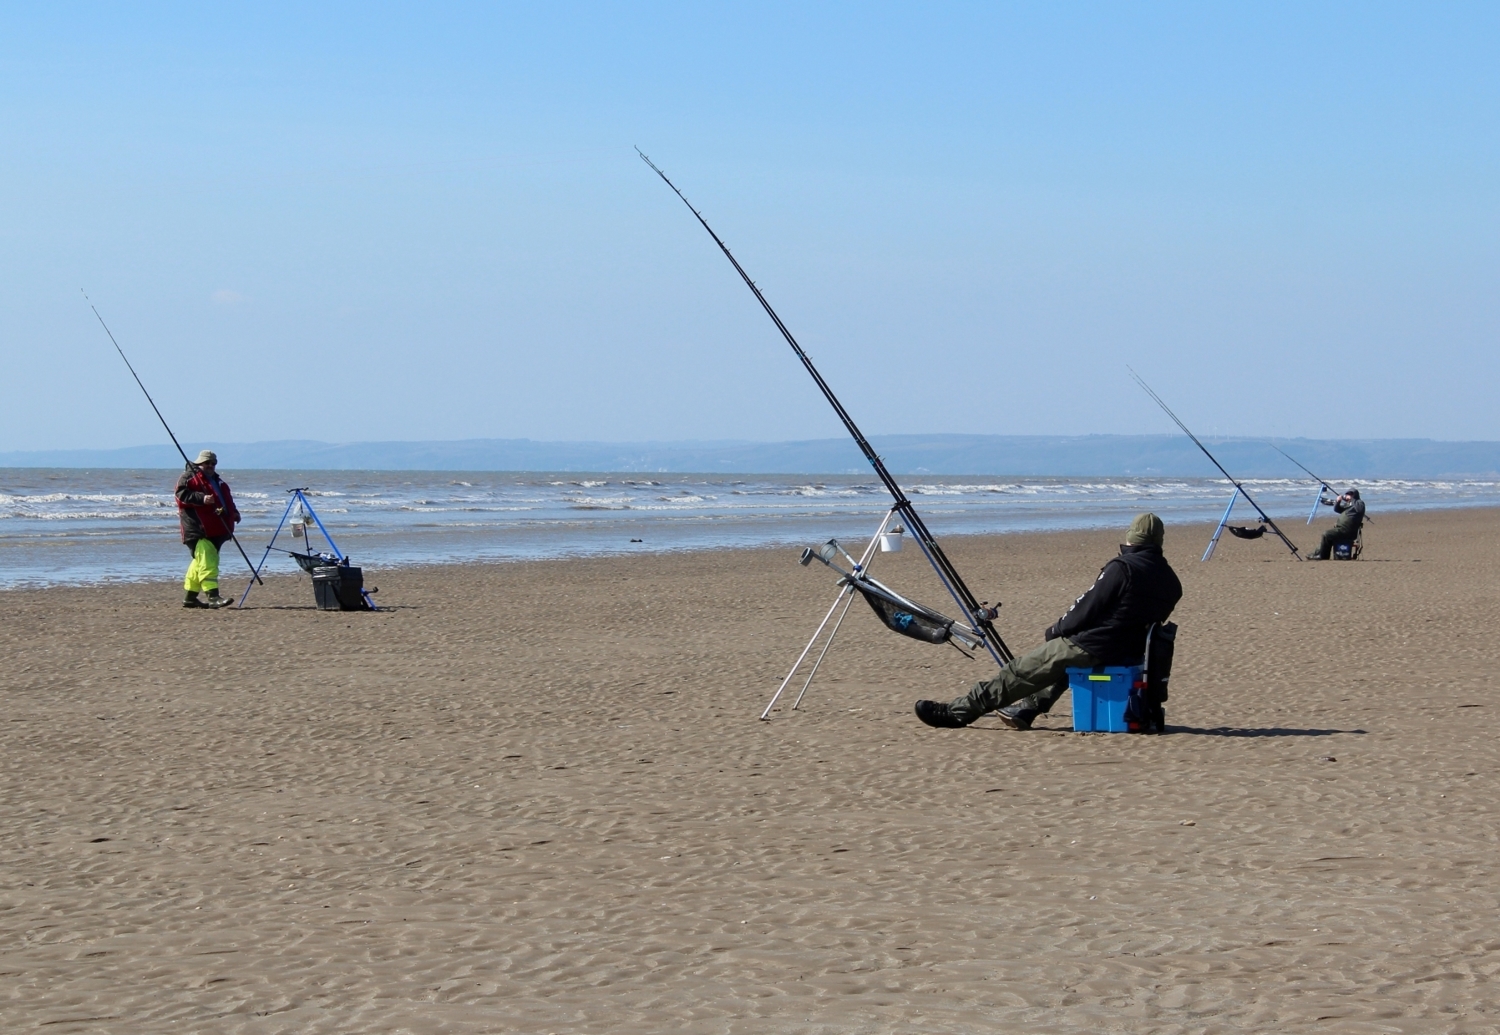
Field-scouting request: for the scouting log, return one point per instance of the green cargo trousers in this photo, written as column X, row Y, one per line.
column 1036, row 680
column 1341, row 532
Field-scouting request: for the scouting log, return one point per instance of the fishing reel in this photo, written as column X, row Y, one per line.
column 826, row 554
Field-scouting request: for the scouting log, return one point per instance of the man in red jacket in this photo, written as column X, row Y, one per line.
column 206, row 510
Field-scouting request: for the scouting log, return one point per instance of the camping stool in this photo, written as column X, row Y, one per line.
column 1100, row 695
column 1351, row 550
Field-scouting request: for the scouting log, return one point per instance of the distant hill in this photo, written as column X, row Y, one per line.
column 1032, row 455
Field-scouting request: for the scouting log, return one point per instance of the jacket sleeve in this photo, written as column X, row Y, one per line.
column 1097, row 603
column 188, row 494
column 1351, row 515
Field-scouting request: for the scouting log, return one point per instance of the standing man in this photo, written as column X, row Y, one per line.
column 1351, row 511
column 206, row 510
column 1107, row 625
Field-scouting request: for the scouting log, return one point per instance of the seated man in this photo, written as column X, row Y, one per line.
column 1351, row 511
column 1105, row 626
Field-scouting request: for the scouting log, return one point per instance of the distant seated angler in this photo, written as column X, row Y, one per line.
column 1351, row 518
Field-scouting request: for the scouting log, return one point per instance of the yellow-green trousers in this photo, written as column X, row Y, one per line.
column 203, row 573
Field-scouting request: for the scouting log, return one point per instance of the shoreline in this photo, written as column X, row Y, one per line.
column 230, row 559
column 62, row 528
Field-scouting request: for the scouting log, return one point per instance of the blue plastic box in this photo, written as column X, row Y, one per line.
column 1100, row 695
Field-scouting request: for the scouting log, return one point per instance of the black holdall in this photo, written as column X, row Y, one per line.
column 1144, row 712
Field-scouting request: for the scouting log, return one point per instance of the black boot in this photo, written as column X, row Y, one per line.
column 191, row 600
column 1017, row 717
column 214, row 600
column 939, row 715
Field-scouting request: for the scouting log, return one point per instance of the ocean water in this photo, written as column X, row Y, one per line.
column 69, row 526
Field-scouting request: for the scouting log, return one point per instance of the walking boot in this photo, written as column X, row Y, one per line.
column 1017, row 717
column 938, row 715
column 214, row 600
column 191, row 600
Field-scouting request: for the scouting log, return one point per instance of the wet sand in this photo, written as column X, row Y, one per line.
column 536, row 798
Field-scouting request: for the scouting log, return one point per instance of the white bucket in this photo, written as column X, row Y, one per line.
column 890, row 542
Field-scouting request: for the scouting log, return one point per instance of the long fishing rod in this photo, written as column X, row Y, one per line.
column 1266, row 518
column 1293, row 459
column 214, row 488
column 1322, row 483
column 980, row 616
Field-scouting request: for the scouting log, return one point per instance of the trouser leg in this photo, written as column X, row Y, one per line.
column 1040, row 675
column 203, row 572
column 1042, row 701
column 1332, row 538
column 190, row 581
column 210, row 554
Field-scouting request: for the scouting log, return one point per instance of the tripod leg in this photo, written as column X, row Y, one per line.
column 1220, row 530
column 823, row 653
column 255, row 569
column 801, row 657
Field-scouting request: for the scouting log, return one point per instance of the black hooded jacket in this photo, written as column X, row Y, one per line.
column 1133, row 591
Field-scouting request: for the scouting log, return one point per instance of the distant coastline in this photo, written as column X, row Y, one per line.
column 1015, row 455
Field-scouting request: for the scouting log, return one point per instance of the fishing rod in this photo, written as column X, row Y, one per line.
column 979, row 615
column 1299, row 463
column 214, row 488
column 1264, row 517
column 1322, row 484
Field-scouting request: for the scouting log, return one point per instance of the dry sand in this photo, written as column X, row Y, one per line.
column 536, row 798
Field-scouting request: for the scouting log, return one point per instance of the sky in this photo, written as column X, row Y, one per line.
column 375, row 222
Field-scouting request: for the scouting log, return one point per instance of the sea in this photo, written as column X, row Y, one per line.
column 65, row 526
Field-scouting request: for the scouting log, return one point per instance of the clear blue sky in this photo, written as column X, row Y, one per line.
column 388, row 222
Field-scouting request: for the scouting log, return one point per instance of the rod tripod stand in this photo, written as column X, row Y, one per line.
column 1233, row 499
column 301, row 524
column 846, row 597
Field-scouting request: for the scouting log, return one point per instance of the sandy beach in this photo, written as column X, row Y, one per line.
column 535, row 797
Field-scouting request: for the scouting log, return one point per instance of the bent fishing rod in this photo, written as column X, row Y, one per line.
column 214, row 488
column 980, row 616
column 1264, row 517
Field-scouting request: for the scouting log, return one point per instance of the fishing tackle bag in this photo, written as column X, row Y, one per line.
column 1144, row 712
column 338, row 587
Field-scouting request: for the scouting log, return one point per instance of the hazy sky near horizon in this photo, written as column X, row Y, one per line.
column 398, row 222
